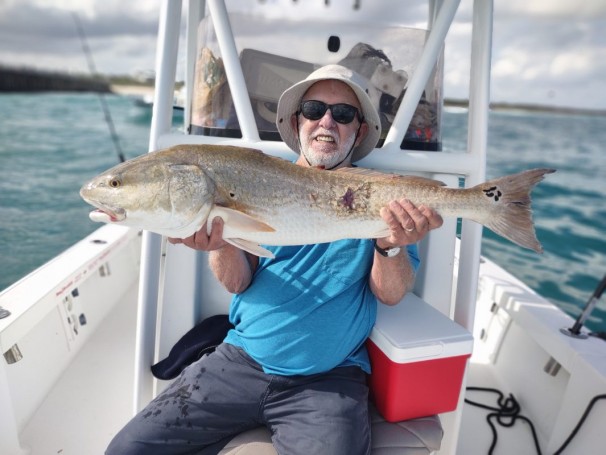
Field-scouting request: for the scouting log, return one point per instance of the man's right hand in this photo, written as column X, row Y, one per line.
column 200, row 240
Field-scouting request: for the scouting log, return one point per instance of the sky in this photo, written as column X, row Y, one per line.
column 549, row 52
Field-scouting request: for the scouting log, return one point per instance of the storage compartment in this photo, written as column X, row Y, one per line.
column 418, row 359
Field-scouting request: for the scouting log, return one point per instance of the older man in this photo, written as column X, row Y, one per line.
column 295, row 360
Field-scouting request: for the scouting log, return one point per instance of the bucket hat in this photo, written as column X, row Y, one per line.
column 291, row 98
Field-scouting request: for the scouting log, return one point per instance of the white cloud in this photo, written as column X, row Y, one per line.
column 552, row 8
column 539, row 46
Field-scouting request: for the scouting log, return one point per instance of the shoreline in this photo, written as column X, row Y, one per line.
column 132, row 90
column 501, row 106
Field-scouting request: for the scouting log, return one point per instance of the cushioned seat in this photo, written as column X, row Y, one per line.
column 411, row 437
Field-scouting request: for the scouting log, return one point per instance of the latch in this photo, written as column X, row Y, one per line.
column 13, row 355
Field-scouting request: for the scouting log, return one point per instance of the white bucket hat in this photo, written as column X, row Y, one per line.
column 291, row 98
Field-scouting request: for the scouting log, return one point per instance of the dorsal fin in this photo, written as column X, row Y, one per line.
column 411, row 179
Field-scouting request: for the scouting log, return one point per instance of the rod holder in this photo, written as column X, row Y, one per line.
column 575, row 330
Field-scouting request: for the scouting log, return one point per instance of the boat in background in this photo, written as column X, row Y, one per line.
column 79, row 334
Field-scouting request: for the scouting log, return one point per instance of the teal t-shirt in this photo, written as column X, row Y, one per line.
column 309, row 309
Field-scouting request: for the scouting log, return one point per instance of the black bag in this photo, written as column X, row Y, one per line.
column 202, row 339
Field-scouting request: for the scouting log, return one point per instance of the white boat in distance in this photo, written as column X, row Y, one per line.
column 79, row 334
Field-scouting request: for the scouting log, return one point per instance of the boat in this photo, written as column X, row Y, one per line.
column 79, row 334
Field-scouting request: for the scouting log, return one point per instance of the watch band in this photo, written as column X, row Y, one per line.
column 388, row 252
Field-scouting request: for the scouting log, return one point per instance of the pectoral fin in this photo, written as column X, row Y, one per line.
column 238, row 221
column 251, row 247
column 381, row 233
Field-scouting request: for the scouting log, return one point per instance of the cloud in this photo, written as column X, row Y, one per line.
column 559, row 9
column 40, row 35
column 549, row 56
column 543, row 50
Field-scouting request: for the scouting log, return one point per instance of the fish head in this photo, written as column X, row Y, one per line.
column 165, row 196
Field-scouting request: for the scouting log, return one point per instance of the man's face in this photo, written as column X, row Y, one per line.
column 324, row 142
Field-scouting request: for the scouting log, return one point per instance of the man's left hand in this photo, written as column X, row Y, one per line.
column 408, row 224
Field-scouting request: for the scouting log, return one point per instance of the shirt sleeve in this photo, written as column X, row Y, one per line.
column 413, row 256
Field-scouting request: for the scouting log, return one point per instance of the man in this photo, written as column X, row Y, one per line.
column 295, row 361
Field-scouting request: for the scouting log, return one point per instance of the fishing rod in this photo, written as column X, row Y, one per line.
column 93, row 70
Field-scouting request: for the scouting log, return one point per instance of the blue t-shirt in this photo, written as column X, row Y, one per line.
column 309, row 309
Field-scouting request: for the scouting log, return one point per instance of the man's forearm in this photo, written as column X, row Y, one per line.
column 232, row 267
column 391, row 278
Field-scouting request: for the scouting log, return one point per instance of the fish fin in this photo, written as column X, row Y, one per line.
column 373, row 173
column 511, row 216
column 417, row 180
column 385, row 232
column 239, row 221
column 251, row 247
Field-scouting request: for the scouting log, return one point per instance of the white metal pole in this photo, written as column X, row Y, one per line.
column 419, row 79
column 235, row 77
column 166, row 63
column 479, row 100
column 195, row 13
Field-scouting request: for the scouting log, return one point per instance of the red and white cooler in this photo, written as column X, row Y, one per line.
column 418, row 359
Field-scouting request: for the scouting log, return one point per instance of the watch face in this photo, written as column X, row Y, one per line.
column 393, row 251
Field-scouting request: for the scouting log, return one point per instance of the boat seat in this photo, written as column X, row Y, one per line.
column 420, row 436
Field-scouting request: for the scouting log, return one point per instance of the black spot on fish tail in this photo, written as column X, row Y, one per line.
column 511, row 215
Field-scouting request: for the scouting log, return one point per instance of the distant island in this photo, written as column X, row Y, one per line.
column 33, row 80
column 502, row 106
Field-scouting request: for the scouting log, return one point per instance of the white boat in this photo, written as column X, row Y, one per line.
column 79, row 334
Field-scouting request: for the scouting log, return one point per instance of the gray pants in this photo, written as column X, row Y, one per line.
column 226, row 393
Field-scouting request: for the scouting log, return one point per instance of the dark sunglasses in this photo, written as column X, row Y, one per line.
column 341, row 112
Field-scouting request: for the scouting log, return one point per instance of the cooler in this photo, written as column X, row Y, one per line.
column 418, row 359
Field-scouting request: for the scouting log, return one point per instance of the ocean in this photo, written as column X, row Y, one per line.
column 51, row 143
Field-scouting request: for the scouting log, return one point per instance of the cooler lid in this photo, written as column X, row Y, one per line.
column 413, row 330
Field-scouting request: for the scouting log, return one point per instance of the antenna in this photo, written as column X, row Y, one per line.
column 93, row 70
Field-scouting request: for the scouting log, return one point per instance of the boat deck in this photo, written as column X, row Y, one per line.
column 476, row 436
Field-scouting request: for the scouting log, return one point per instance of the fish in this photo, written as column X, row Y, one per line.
column 267, row 200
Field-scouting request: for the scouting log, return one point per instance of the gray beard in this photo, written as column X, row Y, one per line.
column 323, row 160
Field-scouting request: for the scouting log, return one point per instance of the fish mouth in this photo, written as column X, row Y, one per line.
column 107, row 214
column 103, row 213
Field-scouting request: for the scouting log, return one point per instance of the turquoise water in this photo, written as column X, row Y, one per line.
column 51, row 143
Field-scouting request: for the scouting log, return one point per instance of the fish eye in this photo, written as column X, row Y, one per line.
column 115, row 182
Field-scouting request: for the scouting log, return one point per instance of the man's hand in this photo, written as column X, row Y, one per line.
column 408, row 224
column 202, row 241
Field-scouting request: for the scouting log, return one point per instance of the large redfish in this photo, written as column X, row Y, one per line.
column 267, row 200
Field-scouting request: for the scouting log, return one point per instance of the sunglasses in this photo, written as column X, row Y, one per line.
column 341, row 112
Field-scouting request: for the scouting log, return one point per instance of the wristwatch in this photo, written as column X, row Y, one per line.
column 389, row 252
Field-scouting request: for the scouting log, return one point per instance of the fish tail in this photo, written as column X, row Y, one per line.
column 511, row 214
